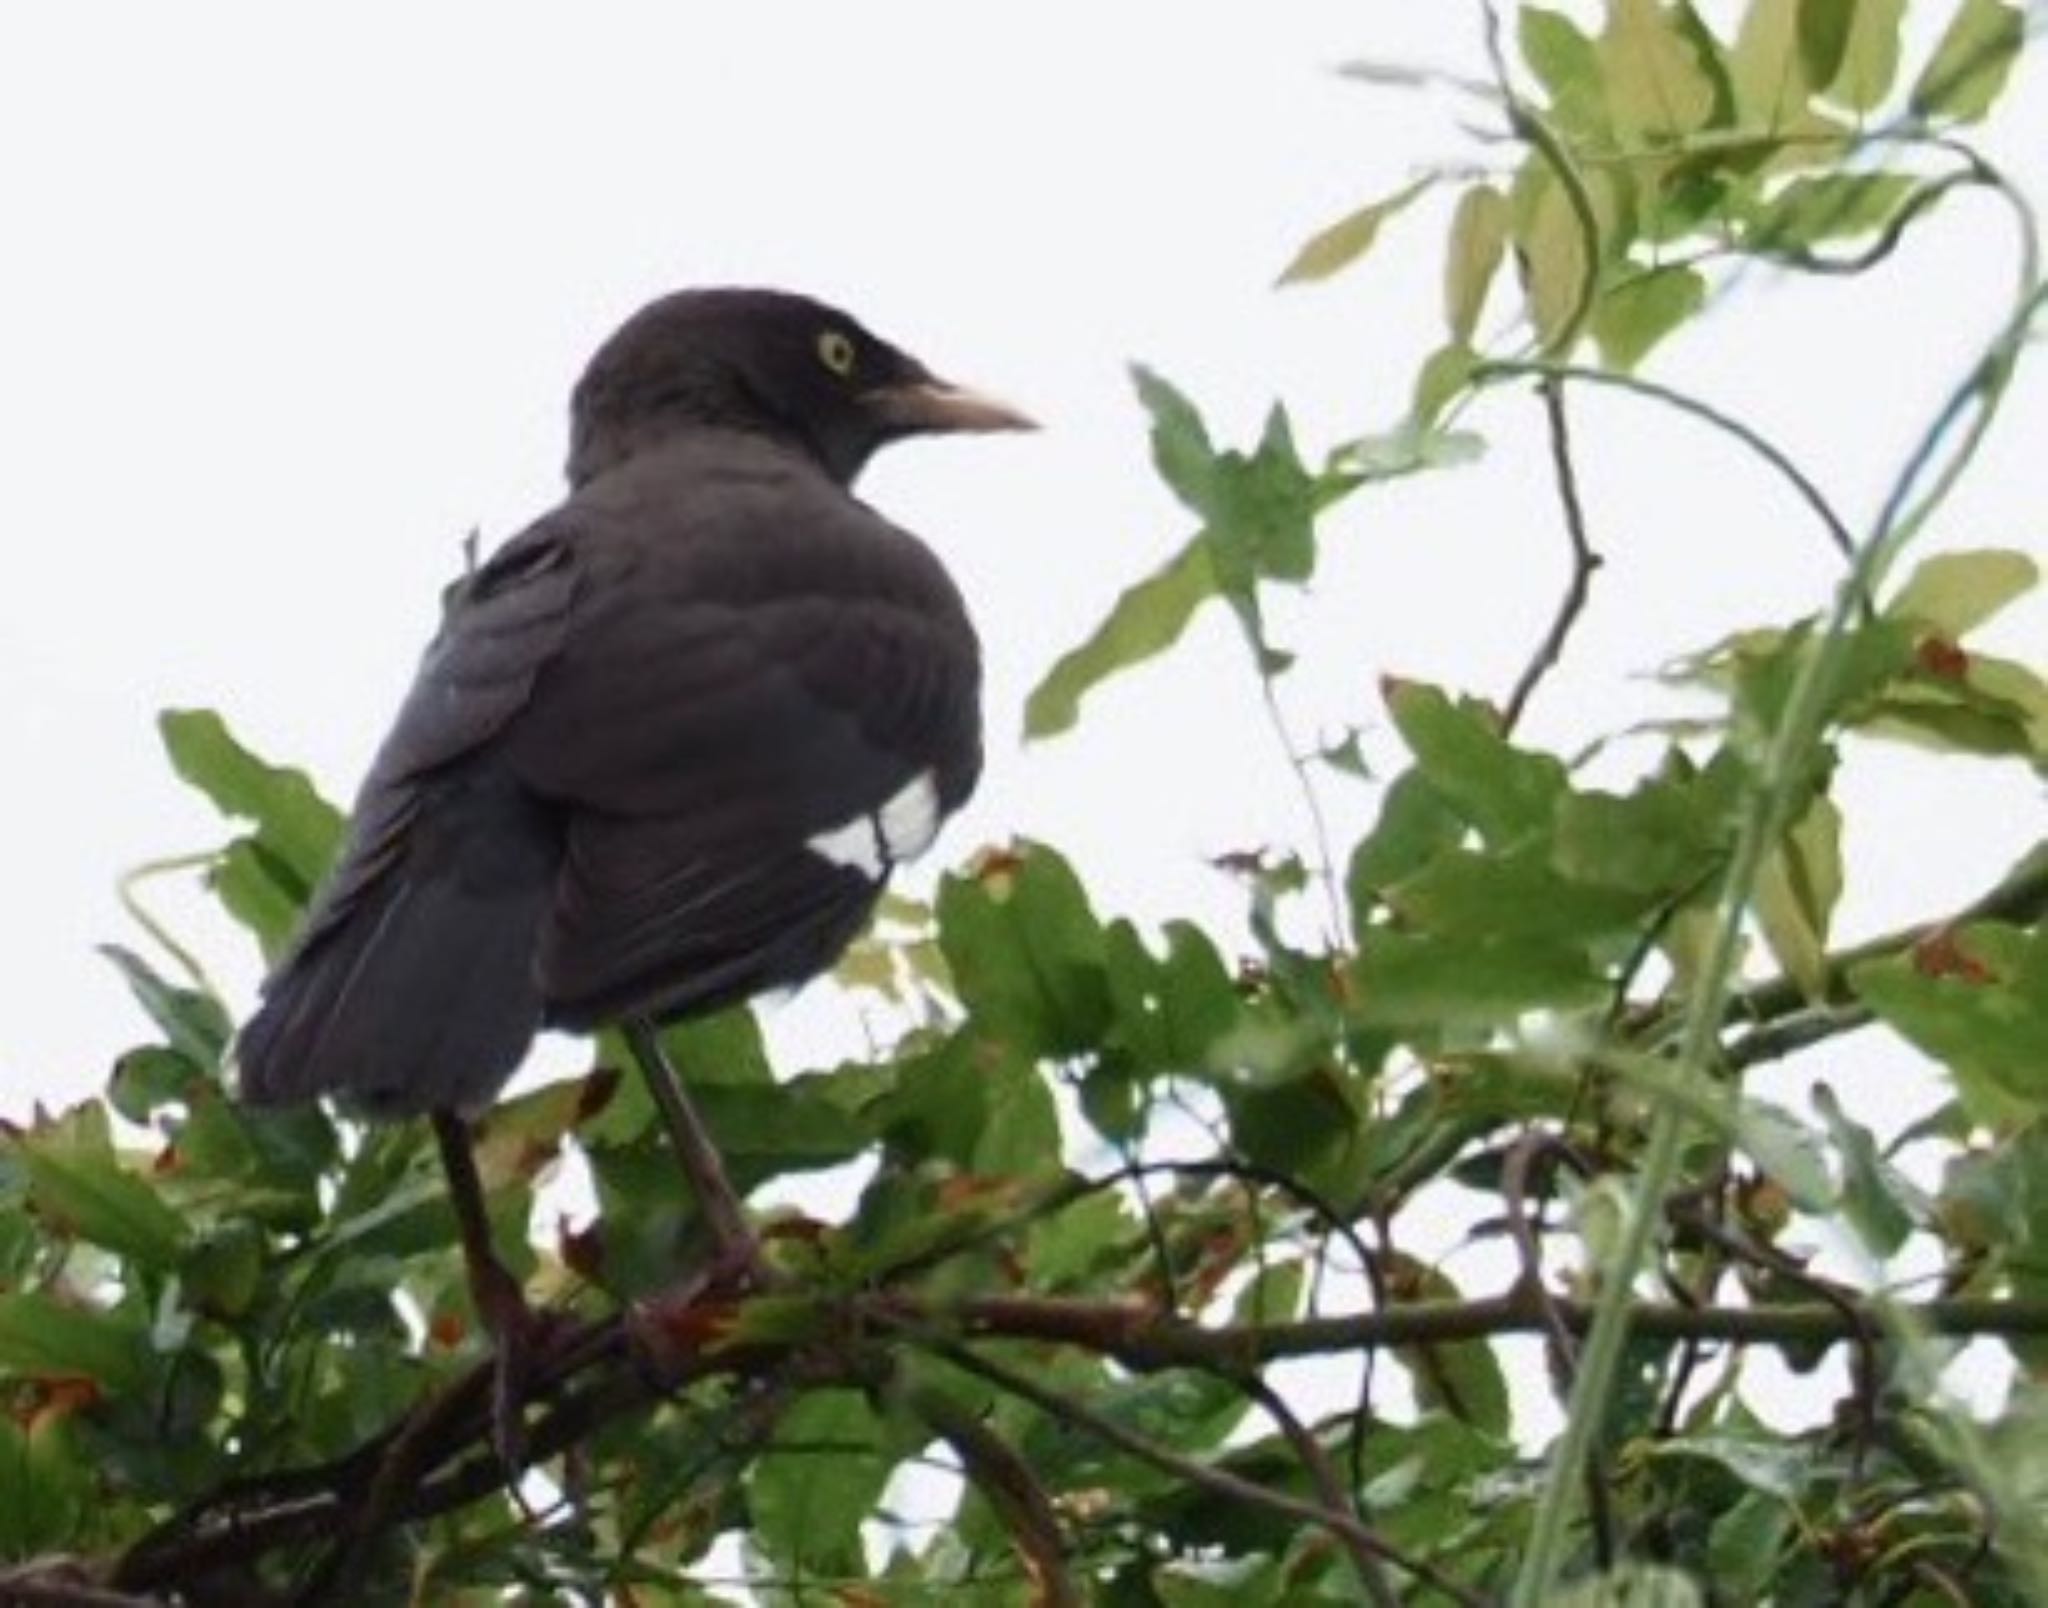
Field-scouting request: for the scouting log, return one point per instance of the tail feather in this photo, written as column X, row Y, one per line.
column 420, row 993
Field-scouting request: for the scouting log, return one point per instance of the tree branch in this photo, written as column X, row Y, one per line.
column 1143, row 1340
column 1579, row 585
column 1012, row 1490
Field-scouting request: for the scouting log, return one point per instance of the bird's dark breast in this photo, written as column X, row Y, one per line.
column 751, row 670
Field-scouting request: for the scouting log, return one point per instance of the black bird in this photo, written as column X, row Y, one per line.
column 671, row 739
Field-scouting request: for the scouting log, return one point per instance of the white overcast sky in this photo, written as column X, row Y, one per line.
column 292, row 297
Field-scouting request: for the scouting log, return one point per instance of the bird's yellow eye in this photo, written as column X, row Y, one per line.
column 835, row 351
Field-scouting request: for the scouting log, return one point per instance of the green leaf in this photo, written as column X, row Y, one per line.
column 223, row 1273
column 1761, row 1463
column 810, row 1491
column 1464, row 1378
column 1796, row 893
column 1259, row 512
column 977, row 1104
column 46, row 1489
column 1633, row 316
column 1337, row 247
column 1875, row 1195
column 725, row 1047
column 1787, row 1149
column 1516, row 893
column 1746, row 1543
column 1504, row 793
column 1446, row 373
column 1661, row 839
column 1168, row 1012
column 1146, row 620
column 1952, row 594
column 1829, row 206
column 767, row 1130
column 1273, row 1295
column 1409, row 448
column 1870, row 58
column 292, row 820
column 1313, row 1126
column 1556, row 266
column 1824, row 27
column 196, row 1025
column 1970, row 65
column 1658, row 85
column 1262, row 512
column 1566, row 63
column 1419, row 982
column 43, row 1338
column 1769, row 75
column 260, row 892
column 1415, row 825
column 1774, row 95
column 150, row 1077
column 1975, row 999
column 1027, row 952
column 1966, row 703
column 79, row 1187
column 1181, row 451
column 1480, row 225
column 1632, row 1585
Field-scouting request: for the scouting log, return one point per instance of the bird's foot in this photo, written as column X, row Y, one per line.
column 519, row 1337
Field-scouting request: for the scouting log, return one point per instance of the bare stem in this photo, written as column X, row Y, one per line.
column 1579, row 585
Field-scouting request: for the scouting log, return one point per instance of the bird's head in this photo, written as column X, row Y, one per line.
column 764, row 361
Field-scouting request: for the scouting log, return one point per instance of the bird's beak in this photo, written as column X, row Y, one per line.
column 931, row 406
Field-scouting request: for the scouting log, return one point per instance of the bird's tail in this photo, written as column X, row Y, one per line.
column 413, row 986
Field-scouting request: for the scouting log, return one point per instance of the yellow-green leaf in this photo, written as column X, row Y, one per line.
column 1639, row 312
column 1555, row 263
column 1146, row 621
column 1824, row 27
column 1971, row 64
column 1954, row 593
column 1657, row 86
column 1568, row 66
column 1830, row 206
column 1870, row 56
column 1975, row 999
column 1336, row 248
column 43, row 1338
column 1796, row 894
column 88, row 1193
column 1444, row 374
column 1479, row 237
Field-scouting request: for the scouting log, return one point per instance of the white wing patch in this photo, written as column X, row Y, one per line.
column 876, row 843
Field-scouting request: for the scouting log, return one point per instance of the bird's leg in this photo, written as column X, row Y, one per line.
column 499, row 1299
column 737, row 1250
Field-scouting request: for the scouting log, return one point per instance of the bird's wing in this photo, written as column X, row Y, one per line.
column 503, row 624
column 751, row 729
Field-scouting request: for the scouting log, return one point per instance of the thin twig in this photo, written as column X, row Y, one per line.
column 1322, row 1474
column 1579, row 585
column 1010, row 1487
column 1535, row 1148
column 1203, row 1476
column 1838, row 533
column 1312, row 802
